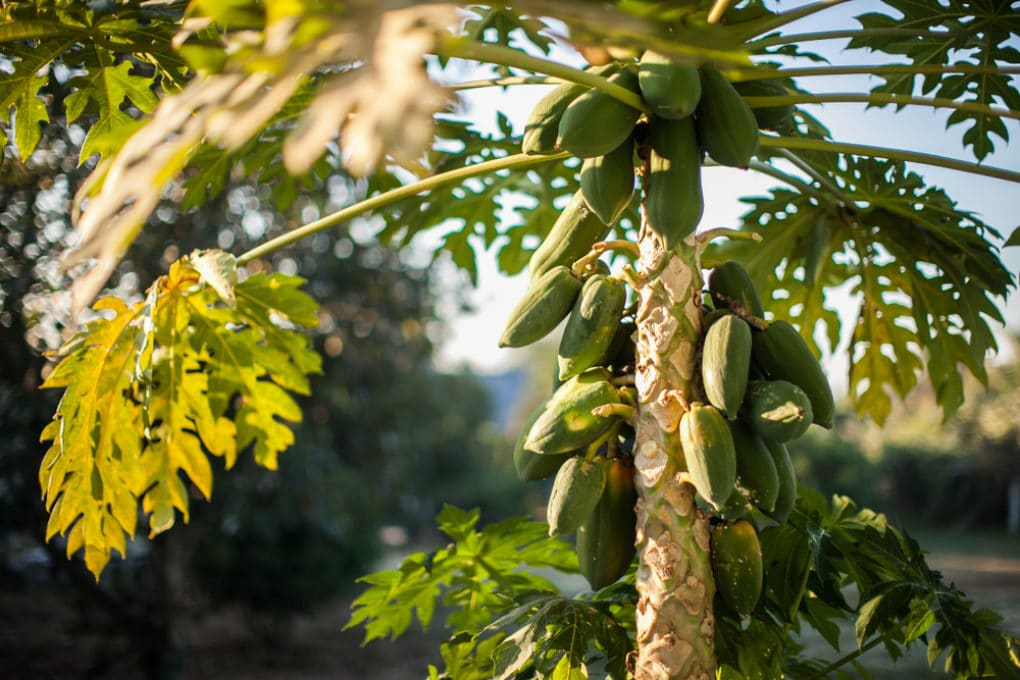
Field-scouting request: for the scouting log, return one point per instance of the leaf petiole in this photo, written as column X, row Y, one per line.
column 888, row 153
column 392, row 196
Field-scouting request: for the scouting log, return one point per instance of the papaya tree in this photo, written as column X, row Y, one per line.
column 666, row 430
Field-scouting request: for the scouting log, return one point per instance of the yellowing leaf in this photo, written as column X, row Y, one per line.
column 148, row 397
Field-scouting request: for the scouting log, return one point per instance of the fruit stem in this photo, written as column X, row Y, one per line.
column 736, row 234
column 392, row 196
column 506, row 56
column 823, row 181
column 779, row 142
column 624, row 411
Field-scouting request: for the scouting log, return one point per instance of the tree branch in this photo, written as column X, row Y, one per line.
column 808, row 144
column 878, row 98
column 392, row 196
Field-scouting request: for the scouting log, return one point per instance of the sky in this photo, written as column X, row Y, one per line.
column 471, row 339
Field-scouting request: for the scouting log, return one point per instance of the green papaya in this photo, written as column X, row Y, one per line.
column 542, row 308
column 622, row 351
column 575, row 493
column 778, row 410
column 607, row 182
column 671, row 88
column 605, row 540
column 731, row 287
column 778, row 118
column 780, row 353
column 673, row 199
column 737, row 565
column 726, row 127
column 595, row 123
column 787, row 496
column 591, row 325
column 543, row 123
column 567, row 422
column 709, row 454
column 725, row 361
column 573, row 234
column 757, row 478
column 532, row 466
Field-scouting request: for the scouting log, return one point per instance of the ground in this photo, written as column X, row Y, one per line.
column 41, row 637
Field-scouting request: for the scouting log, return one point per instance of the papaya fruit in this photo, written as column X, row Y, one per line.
column 530, row 465
column 777, row 410
column 573, row 234
column 567, row 422
column 542, row 308
column 737, row 565
column 671, row 88
column 778, row 118
column 787, row 496
column 709, row 454
column 725, row 361
column 673, row 197
column 726, row 127
column 607, row 182
column 575, row 492
column 731, row 288
column 780, row 353
column 591, row 325
column 622, row 350
column 605, row 540
column 757, row 478
column 543, row 122
column 595, row 123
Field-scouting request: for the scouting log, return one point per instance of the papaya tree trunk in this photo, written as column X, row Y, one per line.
column 675, row 622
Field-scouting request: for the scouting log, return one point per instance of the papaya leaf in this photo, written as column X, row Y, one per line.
column 925, row 273
column 154, row 390
column 953, row 33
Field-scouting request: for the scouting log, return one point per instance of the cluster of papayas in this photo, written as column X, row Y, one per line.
column 764, row 388
column 733, row 444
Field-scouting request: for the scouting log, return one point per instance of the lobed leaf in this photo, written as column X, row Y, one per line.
column 149, row 394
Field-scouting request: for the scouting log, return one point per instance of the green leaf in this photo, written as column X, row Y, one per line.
column 104, row 90
column 1014, row 238
column 150, row 391
column 925, row 272
column 952, row 33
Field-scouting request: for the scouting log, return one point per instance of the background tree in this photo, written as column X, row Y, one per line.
column 854, row 213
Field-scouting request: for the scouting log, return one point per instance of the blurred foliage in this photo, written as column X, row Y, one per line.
column 385, row 435
column 953, row 474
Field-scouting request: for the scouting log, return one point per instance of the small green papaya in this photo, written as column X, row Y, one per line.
column 671, row 88
column 595, row 123
column 780, row 353
column 573, row 234
column 737, row 565
column 709, row 455
column 757, row 478
column 607, row 182
column 778, row 118
column 786, row 499
column 731, row 288
column 575, row 493
column 543, row 122
column 530, row 465
column 673, row 198
column 778, row 410
column 591, row 325
column 605, row 540
column 726, row 127
column 567, row 423
column 725, row 362
column 542, row 308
